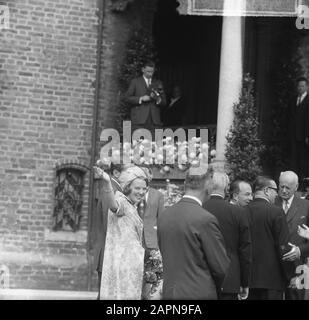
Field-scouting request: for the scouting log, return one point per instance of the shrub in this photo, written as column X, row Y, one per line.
column 244, row 148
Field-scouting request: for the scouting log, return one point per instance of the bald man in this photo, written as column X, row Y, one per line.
column 240, row 193
column 297, row 213
column 234, row 226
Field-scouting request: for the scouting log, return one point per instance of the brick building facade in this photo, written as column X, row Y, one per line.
column 48, row 96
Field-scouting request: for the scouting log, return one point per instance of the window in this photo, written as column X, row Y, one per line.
column 68, row 199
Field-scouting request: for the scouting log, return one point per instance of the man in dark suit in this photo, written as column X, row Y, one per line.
column 299, row 129
column 145, row 96
column 173, row 113
column 234, row 225
column 269, row 234
column 150, row 209
column 100, row 219
column 153, row 206
column 193, row 251
column 297, row 213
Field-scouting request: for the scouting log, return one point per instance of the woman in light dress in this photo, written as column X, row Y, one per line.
column 123, row 263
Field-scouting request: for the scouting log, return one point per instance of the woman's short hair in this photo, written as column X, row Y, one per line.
column 127, row 189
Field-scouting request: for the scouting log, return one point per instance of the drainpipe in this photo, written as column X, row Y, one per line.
column 101, row 15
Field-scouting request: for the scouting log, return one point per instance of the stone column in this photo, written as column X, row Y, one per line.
column 230, row 74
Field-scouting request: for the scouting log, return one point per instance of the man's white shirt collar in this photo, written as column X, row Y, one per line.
column 148, row 81
column 193, row 198
column 217, row 195
column 173, row 100
column 302, row 97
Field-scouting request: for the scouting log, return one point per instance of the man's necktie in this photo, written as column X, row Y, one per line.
column 285, row 206
column 298, row 101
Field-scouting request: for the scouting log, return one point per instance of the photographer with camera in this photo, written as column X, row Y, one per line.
column 145, row 96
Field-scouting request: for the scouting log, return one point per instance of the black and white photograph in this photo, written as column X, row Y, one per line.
column 154, row 150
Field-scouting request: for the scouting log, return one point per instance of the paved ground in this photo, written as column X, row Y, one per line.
column 26, row 294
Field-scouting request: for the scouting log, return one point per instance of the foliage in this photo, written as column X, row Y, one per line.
column 139, row 49
column 287, row 70
column 244, row 147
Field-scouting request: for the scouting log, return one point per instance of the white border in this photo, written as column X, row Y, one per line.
column 213, row 12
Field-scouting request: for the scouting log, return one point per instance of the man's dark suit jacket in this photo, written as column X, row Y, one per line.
column 299, row 119
column 154, row 208
column 172, row 115
column 194, row 256
column 269, row 234
column 234, row 225
column 297, row 214
column 298, row 131
column 140, row 112
column 100, row 221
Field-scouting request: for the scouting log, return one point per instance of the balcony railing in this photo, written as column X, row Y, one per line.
column 176, row 174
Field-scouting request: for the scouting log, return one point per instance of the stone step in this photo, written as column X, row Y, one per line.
column 28, row 294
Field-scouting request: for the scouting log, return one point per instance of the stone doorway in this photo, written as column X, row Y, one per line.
column 189, row 55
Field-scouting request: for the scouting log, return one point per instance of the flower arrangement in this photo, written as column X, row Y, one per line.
column 172, row 193
column 153, row 276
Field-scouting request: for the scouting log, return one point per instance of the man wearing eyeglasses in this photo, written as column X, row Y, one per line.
column 297, row 213
column 269, row 234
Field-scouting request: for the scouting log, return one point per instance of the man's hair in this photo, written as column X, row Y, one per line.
column 290, row 174
column 116, row 166
column 220, row 181
column 149, row 63
column 197, row 182
column 261, row 182
column 235, row 186
column 301, row 79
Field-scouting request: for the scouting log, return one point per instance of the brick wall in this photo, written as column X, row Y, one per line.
column 47, row 70
column 117, row 28
column 47, row 89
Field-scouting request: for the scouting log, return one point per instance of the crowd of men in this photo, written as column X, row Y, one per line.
column 247, row 247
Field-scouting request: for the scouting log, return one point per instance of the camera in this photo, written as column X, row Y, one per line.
column 155, row 94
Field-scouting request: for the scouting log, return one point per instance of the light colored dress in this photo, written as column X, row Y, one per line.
column 123, row 263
